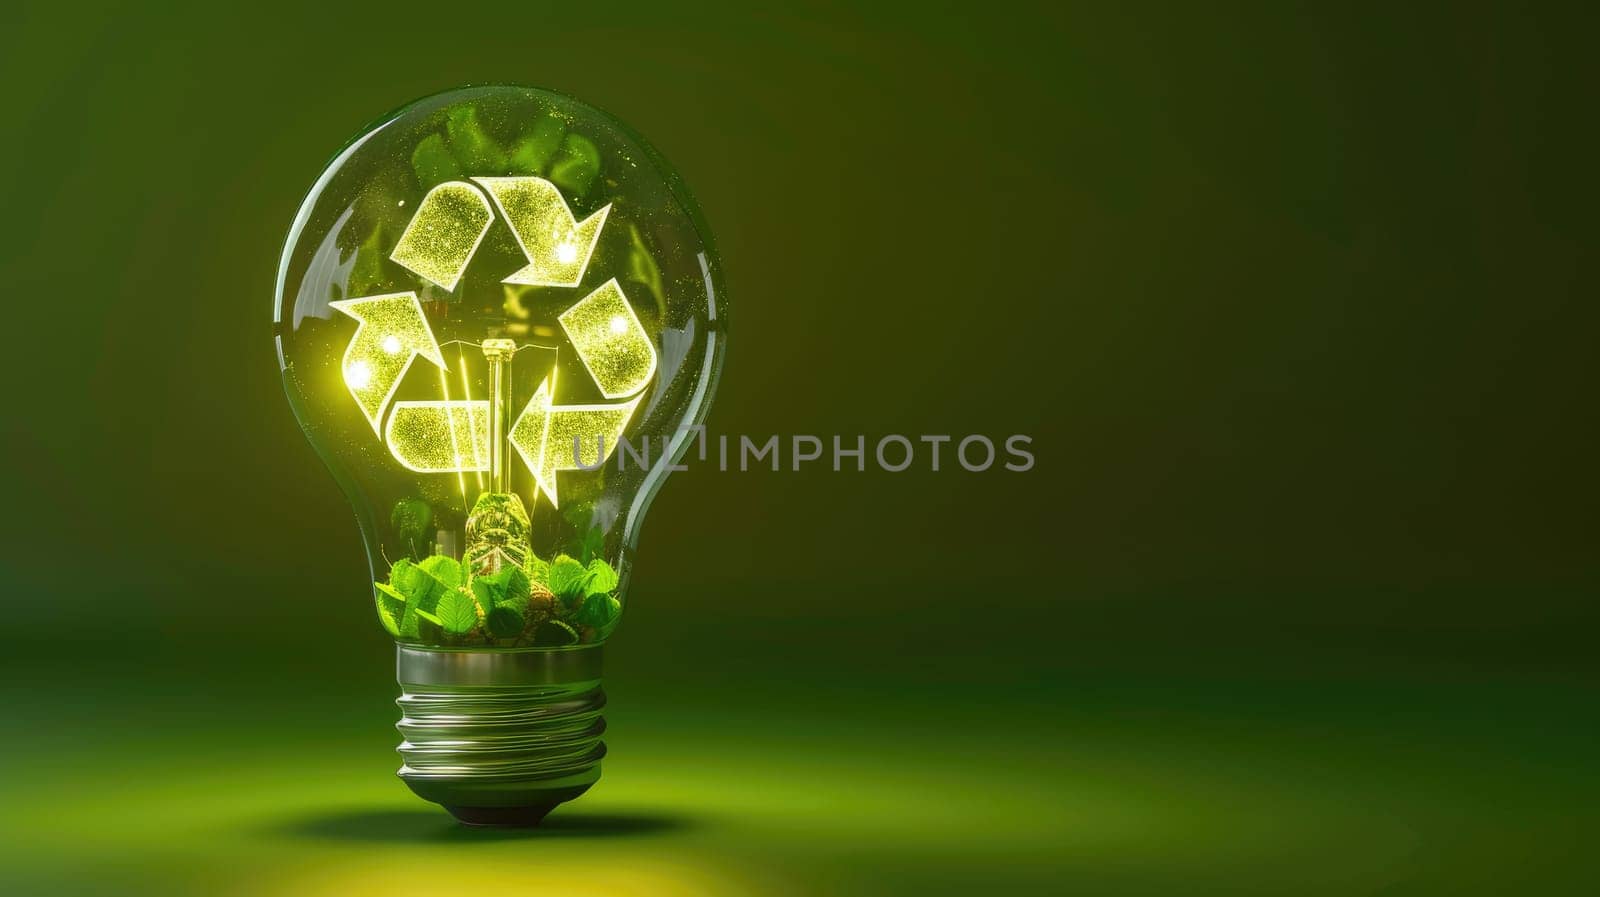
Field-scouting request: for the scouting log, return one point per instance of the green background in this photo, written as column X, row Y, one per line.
column 1298, row 599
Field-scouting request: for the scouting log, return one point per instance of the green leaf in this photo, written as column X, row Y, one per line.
column 576, row 166
column 538, row 569
column 446, row 569
column 602, row 579
column 422, row 591
column 505, row 621
column 488, row 590
column 472, row 146
column 432, row 162
column 401, row 575
column 599, row 610
column 568, row 577
column 458, row 615
column 410, row 519
column 554, row 633
column 515, row 585
column 592, row 544
column 427, row 616
column 532, row 153
column 391, row 607
column 509, row 585
column 642, row 268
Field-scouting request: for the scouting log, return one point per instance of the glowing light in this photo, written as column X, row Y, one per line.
column 556, row 245
column 391, row 344
column 358, row 375
column 429, row 437
column 371, row 371
column 444, row 233
column 544, row 435
column 610, row 341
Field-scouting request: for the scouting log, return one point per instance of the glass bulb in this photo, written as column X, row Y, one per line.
column 481, row 298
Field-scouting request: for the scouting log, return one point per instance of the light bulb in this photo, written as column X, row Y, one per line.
column 480, row 298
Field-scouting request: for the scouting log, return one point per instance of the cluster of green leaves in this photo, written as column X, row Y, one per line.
column 584, row 595
column 570, row 160
column 423, row 595
column 504, row 598
column 588, row 541
column 436, row 601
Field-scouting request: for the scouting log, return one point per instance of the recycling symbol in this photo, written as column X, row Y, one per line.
column 453, row 435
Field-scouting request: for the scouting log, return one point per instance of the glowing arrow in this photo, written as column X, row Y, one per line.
column 610, row 340
column 444, row 233
column 555, row 243
column 566, row 437
column 393, row 331
column 440, row 437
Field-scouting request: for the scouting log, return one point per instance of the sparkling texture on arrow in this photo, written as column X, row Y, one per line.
column 444, row 233
column 556, row 244
column 610, row 341
column 392, row 331
column 440, row 437
column 552, row 438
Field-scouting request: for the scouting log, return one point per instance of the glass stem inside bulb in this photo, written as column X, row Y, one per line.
column 498, row 352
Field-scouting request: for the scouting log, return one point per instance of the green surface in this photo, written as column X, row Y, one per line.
column 1261, row 766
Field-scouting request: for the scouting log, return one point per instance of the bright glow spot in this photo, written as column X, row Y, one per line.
column 611, row 342
column 556, row 244
column 391, row 344
column 371, row 369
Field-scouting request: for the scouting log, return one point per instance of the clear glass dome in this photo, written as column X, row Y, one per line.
column 498, row 315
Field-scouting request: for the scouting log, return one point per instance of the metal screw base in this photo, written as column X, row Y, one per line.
column 500, row 736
